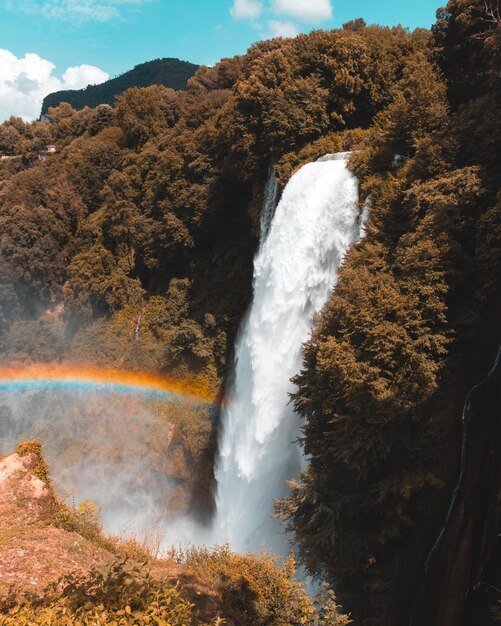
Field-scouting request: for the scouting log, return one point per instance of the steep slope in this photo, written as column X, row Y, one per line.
column 50, row 571
column 408, row 332
column 33, row 550
column 57, row 568
column 168, row 72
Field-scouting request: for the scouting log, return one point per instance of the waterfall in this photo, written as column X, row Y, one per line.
column 295, row 270
column 269, row 204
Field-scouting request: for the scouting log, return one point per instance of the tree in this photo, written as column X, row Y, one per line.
column 143, row 113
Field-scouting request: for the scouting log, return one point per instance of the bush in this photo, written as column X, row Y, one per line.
column 121, row 595
column 40, row 469
column 255, row 590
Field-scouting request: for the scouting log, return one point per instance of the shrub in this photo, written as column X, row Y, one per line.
column 121, row 595
column 40, row 469
column 255, row 590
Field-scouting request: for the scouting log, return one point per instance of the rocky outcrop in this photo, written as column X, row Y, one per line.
column 36, row 551
column 33, row 550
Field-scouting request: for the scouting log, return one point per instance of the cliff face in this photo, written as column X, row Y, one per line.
column 396, row 350
column 447, row 572
column 461, row 585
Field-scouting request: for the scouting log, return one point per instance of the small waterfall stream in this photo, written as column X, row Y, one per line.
column 455, row 492
column 302, row 246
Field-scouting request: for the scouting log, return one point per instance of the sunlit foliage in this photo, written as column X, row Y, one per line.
column 379, row 365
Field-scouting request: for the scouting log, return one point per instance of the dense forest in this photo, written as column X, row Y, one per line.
column 171, row 73
column 137, row 236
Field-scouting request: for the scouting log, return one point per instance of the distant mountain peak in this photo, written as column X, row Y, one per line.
column 169, row 72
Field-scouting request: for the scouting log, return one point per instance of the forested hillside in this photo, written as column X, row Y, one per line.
column 152, row 207
column 410, row 327
column 171, row 73
column 132, row 246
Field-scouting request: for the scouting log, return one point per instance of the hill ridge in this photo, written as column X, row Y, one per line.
column 168, row 71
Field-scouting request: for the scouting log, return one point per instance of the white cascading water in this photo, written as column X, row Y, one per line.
column 269, row 204
column 295, row 270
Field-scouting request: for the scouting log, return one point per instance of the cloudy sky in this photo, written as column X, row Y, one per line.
column 47, row 45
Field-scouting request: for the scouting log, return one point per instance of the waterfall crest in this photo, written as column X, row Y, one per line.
column 295, row 270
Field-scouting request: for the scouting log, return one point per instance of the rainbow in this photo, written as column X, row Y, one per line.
column 71, row 377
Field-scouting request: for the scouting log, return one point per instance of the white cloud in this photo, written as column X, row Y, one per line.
column 24, row 82
column 73, row 10
column 310, row 11
column 83, row 75
column 246, row 9
column 282, row 29
column 290, row 16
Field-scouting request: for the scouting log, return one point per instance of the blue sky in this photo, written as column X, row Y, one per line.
column 97, row 38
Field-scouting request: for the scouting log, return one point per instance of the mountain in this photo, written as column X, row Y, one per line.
column 169, row 72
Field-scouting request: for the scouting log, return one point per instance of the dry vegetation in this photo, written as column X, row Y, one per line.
column 57, row 567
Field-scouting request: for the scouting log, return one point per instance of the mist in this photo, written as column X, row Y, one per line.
column 115, row 450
